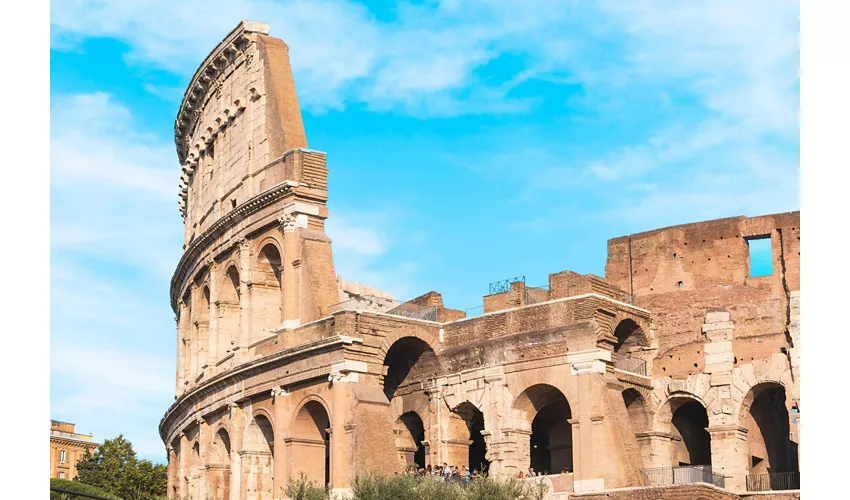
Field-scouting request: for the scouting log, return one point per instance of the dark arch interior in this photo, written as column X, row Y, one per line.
column 551, row 441
column 690, row 421
column 408, row 360
column 629, row 336
column 474, row 420
column 270, row 264
column 771, row 428
column 413, row 423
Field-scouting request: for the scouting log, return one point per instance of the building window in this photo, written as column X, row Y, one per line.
column 62, row 456
column 761, row 256
column 61, row 475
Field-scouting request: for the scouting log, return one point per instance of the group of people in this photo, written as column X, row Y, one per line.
column 462, row 474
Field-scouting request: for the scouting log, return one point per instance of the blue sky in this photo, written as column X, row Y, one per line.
column 467, row 142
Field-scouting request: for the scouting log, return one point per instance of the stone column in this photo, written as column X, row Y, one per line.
column 729, row 452
column 280, row 405
column 204, row 443
column 183, row 471
column 194, row 340
column 434, row 427
column 213, row 353
column 342, row 377
column 180, row 319
column 494, row 378
column 240, row 348
column 291, row 261
column 173, row 469
column 587, row 368
column 237, row 427
column 794, row 393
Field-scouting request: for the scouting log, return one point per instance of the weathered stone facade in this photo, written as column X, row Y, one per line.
column 678, row 357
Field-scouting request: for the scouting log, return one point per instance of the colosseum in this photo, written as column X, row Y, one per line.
column 678, row 369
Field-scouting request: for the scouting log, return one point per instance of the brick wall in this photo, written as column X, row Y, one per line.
column 681, row 272
column 678, row 492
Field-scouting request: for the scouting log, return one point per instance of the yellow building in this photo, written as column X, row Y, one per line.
column 66, row 447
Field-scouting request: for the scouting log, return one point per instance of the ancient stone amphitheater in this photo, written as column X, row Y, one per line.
column 677, row 373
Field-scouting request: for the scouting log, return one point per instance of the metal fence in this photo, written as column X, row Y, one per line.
column 773, row 482
column 415, row 311
column 629, row 364
column 77, row 494
column 502, row 286
column 688, row 474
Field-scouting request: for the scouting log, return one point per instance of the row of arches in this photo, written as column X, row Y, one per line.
column 550, row 443
column 222, row 297
column 309, row 451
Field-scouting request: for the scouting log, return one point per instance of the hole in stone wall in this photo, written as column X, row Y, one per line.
column 709, row 258
column 674, row 256
column 233, row 203
column 679, row 284
column 761, row 256
column 695, row 365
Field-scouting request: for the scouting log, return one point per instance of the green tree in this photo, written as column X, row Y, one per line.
column 113, row 467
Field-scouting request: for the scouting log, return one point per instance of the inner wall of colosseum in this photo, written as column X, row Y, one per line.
column 681, row 356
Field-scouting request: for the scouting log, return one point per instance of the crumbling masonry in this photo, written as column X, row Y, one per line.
column 678, row 357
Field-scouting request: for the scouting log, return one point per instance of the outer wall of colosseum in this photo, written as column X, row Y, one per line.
column 677, row 357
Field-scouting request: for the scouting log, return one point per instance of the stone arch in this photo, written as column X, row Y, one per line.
column 219, row 466
column 433, row 340
column 408, row 359
column 466, row 427
column 229, row 308
column 221, row 446
column 202, row 324
column 638, row 410
column 310, row 440
column 684, row 417
column 629, row 336
column 267, row 290
column 547, row 412
column 764, row 413
column 410, row 433
column 258, row 457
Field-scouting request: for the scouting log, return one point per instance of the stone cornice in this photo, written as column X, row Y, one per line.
column 251, row 368
column 74, row 442
column 224, row 54
column 218, row 228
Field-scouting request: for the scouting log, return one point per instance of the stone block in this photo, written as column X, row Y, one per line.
column 717, row 317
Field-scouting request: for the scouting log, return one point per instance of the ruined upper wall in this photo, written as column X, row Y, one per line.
column 682, row 272
column 238, row 117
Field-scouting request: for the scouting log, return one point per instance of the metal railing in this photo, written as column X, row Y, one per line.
column 502, row 286
column 79, row 494
column 629, row 364
column 687, row 474
column 415, row 311
column 773, row 482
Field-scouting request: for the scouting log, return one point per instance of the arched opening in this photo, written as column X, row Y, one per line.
column 474, row 420
column 630, row 337
column 769, row 441
column 310, row 443
column 408, row 360
column 258, row 459
column 187, row 329
column 202, row 323
column 551, row 440
column 411, row 434
column 690, row 421
column 219, row 468
column 266, row 302
column 229, row 311
column 636, row 407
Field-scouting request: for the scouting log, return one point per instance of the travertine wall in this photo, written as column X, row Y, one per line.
column 284, row 368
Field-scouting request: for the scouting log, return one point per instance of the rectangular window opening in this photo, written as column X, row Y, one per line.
column 761, row 256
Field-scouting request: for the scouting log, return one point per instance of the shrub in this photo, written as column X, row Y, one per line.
column 75, row 486
column 304, row 489
column 411, row 487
